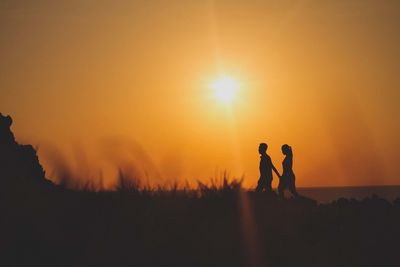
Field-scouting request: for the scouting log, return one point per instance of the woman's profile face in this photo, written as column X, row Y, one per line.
column 285, row 149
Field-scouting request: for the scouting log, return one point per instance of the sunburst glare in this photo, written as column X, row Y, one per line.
column 225, row 89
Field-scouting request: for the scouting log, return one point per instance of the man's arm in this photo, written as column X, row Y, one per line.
column 275, row 170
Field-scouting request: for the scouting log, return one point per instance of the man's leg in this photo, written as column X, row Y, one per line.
column 260, row 184
column 268, row 186
column 292, row 188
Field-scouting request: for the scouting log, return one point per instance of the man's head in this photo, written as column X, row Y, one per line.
column 262, row 148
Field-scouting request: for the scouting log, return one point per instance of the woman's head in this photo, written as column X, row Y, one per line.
column 287, row 150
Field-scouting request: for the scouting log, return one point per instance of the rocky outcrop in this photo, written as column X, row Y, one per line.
column 19, row 164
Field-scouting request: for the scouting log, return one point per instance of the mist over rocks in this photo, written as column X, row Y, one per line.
column 19, row 164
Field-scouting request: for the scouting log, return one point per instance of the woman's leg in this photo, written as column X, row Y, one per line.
column 281, row 188
column 292, row 187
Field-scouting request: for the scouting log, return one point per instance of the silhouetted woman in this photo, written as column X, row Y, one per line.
column 287, row 181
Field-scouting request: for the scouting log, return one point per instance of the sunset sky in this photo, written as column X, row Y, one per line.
column 97, row 85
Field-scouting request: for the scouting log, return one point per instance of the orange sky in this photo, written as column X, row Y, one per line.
column 100, row 84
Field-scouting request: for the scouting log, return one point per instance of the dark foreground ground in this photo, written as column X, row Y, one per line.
column 58, row 227
column 42, row 224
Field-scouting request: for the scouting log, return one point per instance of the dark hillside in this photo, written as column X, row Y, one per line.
column 47, row 225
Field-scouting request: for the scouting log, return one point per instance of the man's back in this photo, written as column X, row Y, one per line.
column 265, row 166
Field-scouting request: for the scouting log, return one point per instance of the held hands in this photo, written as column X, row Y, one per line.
column 277, row 173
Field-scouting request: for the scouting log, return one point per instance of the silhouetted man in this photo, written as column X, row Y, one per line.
column 266, row 168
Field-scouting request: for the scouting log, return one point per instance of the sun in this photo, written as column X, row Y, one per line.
column 225, row 89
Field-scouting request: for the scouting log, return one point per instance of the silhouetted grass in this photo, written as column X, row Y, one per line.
column 220, row 187
column 214, row 224
column 127, row 183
